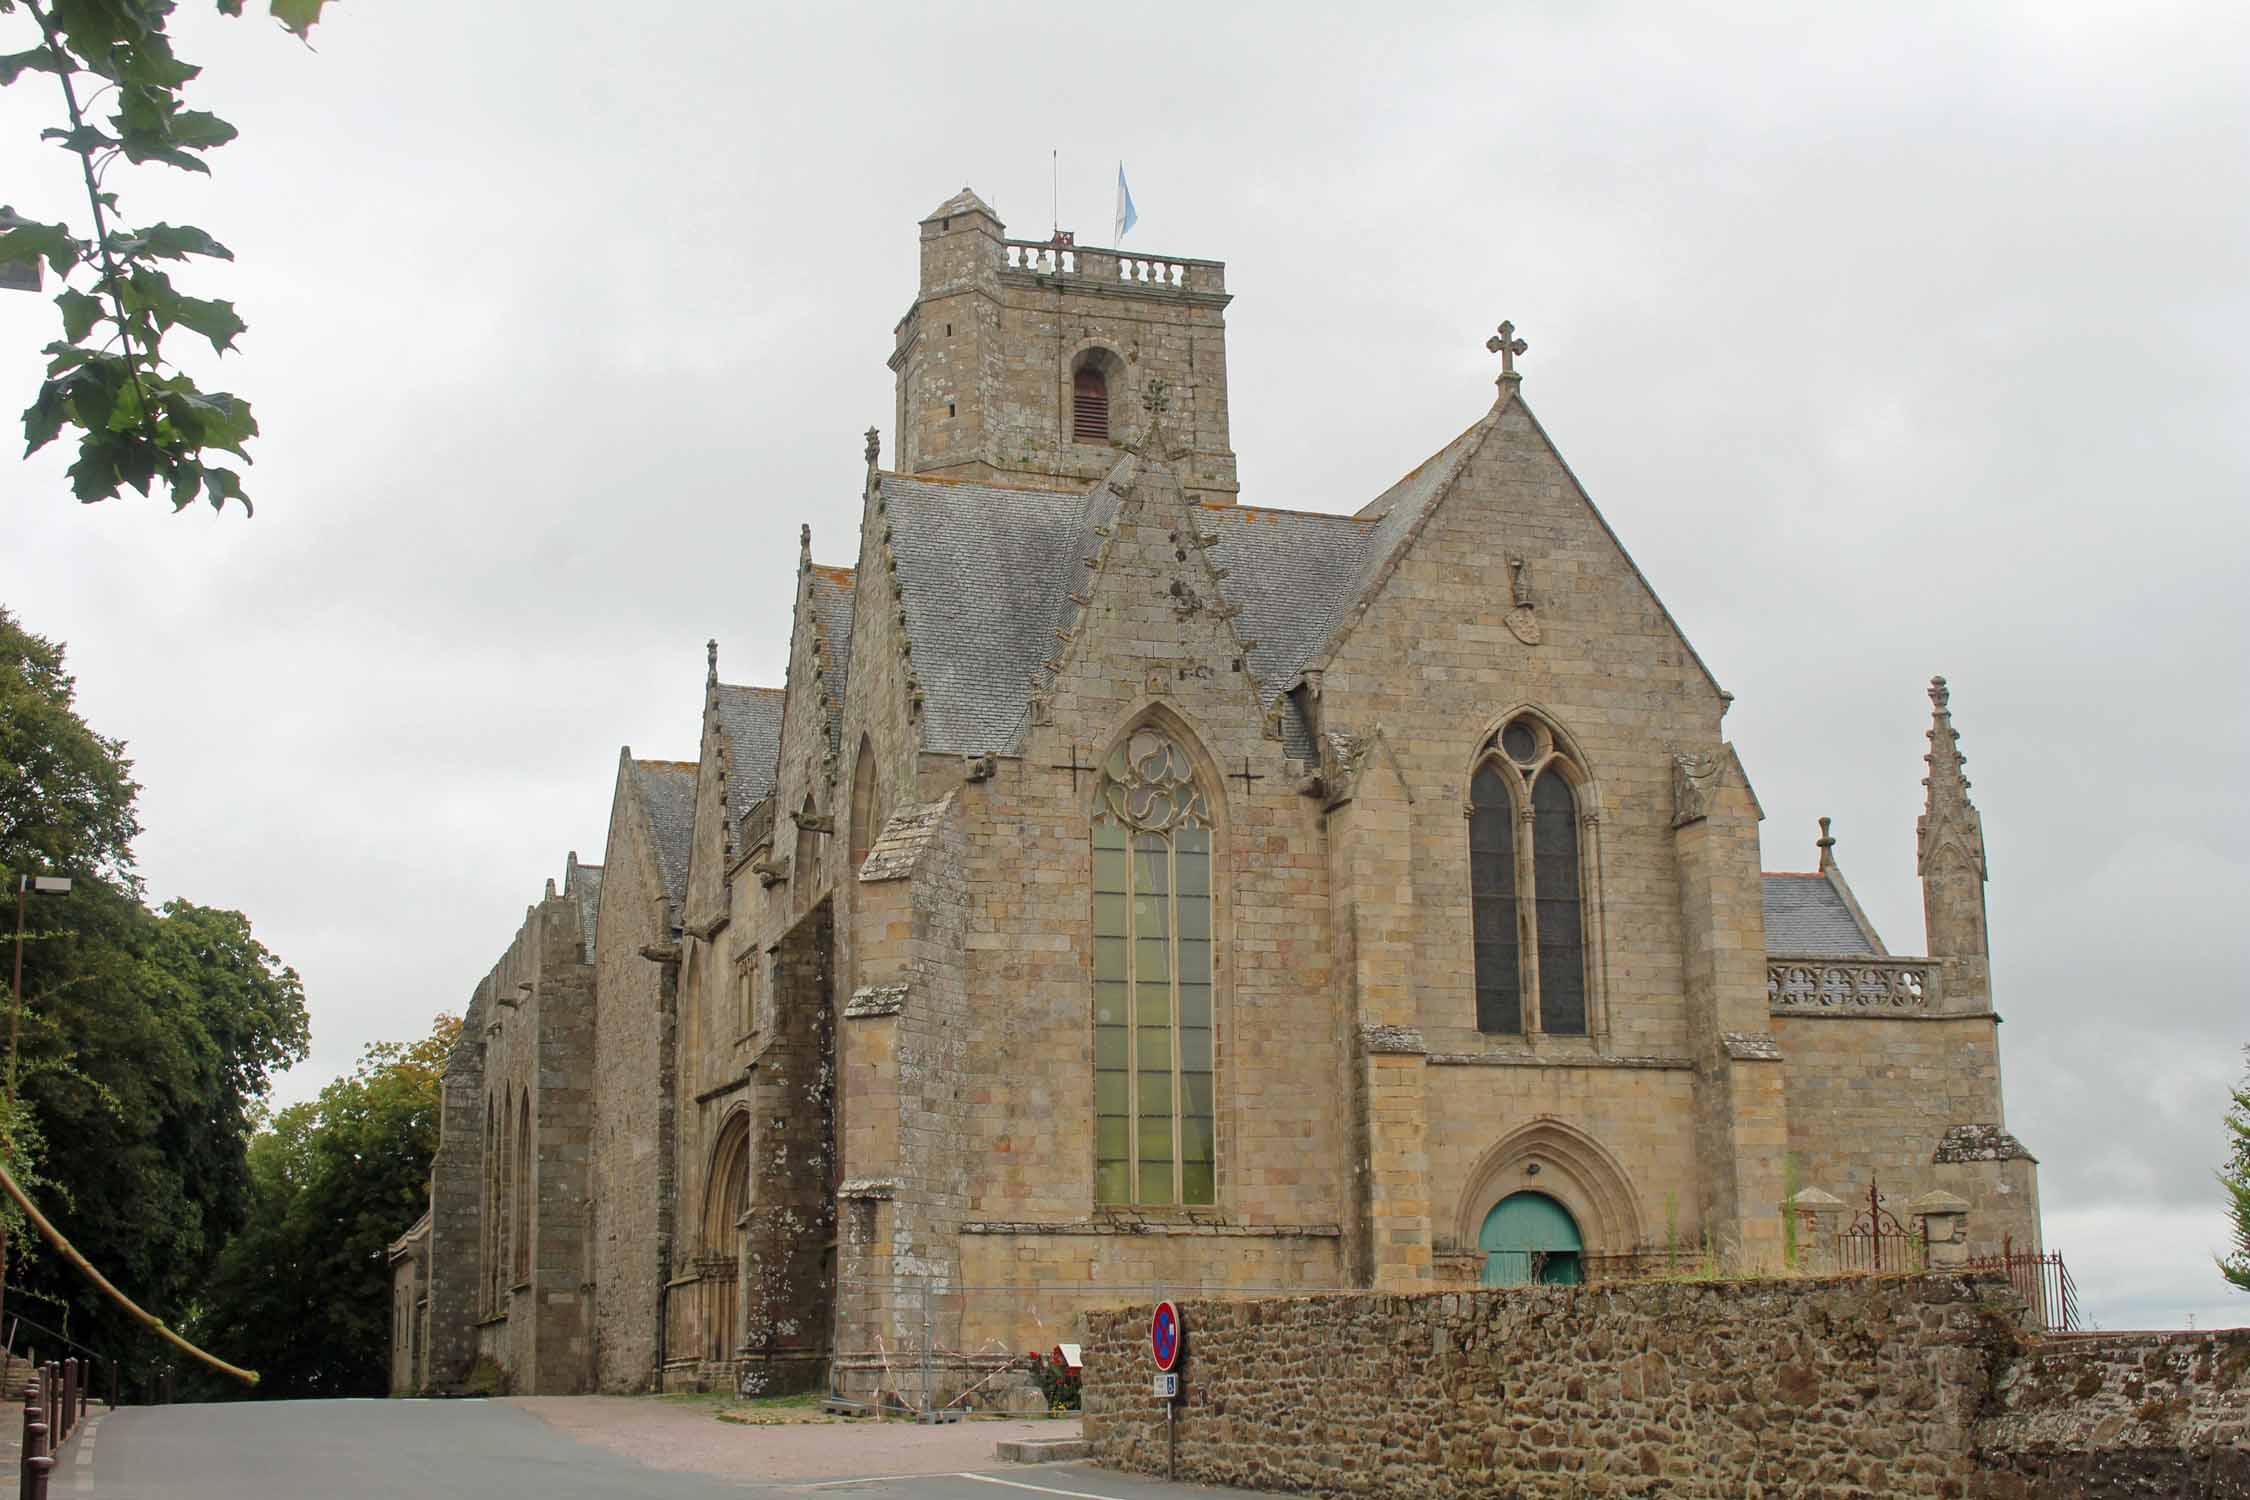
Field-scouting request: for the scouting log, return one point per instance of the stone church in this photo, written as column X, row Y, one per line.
column 1130, row 887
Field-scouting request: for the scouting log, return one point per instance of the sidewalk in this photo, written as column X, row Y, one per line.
column 689, row 1438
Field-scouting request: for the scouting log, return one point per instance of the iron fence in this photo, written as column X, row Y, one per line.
column 2041, row 1279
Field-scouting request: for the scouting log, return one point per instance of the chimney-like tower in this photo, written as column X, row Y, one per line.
column 1030, row 362
column 1950, row 858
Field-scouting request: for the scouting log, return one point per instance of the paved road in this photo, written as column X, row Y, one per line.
column 494, row 1450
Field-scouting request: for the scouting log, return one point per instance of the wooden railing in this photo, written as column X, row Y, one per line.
column 1816, row 984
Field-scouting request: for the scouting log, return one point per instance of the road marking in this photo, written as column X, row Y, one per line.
column 1017, row 1484
column 871, row 1478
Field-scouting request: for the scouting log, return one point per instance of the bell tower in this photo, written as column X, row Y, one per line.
column 1031, row 362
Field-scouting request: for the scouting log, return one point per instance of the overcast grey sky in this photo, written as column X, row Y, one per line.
column 1892, row 339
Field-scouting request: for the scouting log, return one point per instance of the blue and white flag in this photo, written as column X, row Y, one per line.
column 1126, row 218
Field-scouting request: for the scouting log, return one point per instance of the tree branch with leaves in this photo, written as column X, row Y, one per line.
column 140, row 420
column 2235, row 1177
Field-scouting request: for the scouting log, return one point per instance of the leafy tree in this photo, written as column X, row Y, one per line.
column 2236, row 1176
column 303, row 1291
column 139, row 418
column 148, row 1038
column 66, row 793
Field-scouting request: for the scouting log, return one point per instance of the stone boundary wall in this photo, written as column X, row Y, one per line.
column 2122, row 1417
column 1833, row 1388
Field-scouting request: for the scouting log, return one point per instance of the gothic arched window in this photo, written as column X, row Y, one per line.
column 864, row 826
column 1089, row 406
column 523, row 1189
column 1492, row 897
column 1527, row 884
column 1155, row 1138
column 490, row 1239
column 503, row 1203
column 805, row 866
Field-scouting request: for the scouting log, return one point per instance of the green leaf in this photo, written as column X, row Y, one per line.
column 43, row 419
column 224, row 485
column 80, row 313
column 169, row 242
column 200, row 130
column 299, row 16
column 83, row 139
column 24, row 239
column 152, row 63
column 14, row 65
column 215, row 320
column 94, row 476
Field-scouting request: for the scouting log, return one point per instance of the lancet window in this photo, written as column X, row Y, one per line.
column 522, row 1271
column 1527, row 884
column 1155, row 1141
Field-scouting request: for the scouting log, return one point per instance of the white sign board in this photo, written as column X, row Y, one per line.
column 1168, row 1386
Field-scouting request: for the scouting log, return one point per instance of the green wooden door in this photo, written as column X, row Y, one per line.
column 1530, row 1237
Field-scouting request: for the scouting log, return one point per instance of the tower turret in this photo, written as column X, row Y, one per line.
column 1950, row 858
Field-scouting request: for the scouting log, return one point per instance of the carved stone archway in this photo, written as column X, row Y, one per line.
column 1572, row 1168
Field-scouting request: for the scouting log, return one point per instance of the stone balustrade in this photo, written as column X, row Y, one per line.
column 1041, row 258
column 1813, row 984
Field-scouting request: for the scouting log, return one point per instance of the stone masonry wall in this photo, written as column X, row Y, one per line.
column 1824, row 1389
column 631, row 1174
column 1871, row 1097
column 2123, row 1417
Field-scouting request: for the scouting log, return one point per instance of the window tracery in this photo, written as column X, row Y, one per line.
column 1527, row 884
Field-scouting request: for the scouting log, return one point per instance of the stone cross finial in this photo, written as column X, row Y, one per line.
column 711, row 658
column 1507, row 346
column 1826, row 844
column 874, row 446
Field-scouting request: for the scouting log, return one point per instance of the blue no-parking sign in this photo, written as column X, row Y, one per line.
column 1164, row 1335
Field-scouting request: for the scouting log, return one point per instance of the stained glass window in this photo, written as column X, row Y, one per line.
column 1526, row 885
column 1155, row 1141
column 1492, row 897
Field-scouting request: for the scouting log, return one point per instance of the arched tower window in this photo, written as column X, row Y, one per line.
column 1527, row 884
column 1155, row 1138
column 1089, row 406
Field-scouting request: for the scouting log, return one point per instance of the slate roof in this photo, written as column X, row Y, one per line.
column 1806, row 914
column 667, row 789
column 1287, row 570
column 987, row 571
column 985, row 568
column 750, row 718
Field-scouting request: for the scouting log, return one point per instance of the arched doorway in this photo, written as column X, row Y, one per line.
column 1530, row 1238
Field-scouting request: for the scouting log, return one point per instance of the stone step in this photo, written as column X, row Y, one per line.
column 1043, row 1450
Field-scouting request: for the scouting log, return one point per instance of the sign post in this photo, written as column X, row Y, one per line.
column 1166, row 1339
